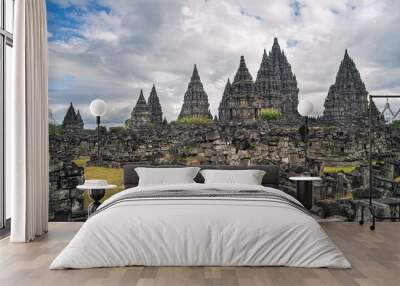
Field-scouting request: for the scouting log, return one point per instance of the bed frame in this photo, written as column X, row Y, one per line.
column 270, row 179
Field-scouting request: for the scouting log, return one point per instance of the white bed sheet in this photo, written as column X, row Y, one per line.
column 200, row 232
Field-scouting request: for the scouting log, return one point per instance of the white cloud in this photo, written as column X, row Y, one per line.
column 118, row 52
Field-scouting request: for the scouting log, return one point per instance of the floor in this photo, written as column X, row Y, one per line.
column 375, row 257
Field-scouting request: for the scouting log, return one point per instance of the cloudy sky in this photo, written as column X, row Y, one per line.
column 111, row 49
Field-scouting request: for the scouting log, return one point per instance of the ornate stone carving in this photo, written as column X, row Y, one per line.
column 240, row 101
column 155, row 107
column 275, row 87
column 195, row 103
column 276, row 82
column 72, row 122
column 140, row 115
column 347, row 100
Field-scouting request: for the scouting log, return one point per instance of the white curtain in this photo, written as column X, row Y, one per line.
column 27, row 127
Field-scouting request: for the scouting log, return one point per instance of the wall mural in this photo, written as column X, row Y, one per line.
column 257, row 124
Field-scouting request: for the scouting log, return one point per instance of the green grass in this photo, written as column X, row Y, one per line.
column 82, row 161
column 340, row 169
column 113, row 176
column 194, row 120
column 270, row 113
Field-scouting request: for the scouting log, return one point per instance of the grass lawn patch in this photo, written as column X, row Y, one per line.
column 82, row 161
column 340, row 169
column 113, row 176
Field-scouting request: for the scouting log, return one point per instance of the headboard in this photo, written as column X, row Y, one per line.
column 270, row 179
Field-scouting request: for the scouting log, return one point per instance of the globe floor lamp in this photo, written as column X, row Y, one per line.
column 305, row 108
column 98, row 108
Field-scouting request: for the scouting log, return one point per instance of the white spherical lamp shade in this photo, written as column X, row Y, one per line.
column 305, row 108
column 98, row 107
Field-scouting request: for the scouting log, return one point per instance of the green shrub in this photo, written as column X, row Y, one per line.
column 117, row 129
column 395, row 124
column 55, row 129
column 270, row 113
column 195, row 120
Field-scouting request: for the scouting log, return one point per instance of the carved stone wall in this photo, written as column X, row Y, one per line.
column 277, row 142
column 231, row 144
column 65, row 200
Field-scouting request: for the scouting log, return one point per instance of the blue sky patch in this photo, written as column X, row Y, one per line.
column 296, row 8
column 63, row 23
column 245, row 13
column 291, row 43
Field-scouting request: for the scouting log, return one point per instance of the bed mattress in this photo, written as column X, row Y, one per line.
column 201, row 225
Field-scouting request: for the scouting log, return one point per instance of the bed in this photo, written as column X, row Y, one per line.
column 198, row 224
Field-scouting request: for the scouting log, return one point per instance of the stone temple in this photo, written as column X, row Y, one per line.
column 195, row 102
column 145, row 114
column 155, row 107
column 240, row 101
column 243, row 99
column 347, row 100
column 140, row 115
column 72, row 122
column 275, row 87
column 276, row 82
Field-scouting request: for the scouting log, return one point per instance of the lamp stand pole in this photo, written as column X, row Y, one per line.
column 98, row 140
column 305, row 141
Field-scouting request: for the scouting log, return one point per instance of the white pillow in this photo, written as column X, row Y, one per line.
column 247, row 177
column 166, row 176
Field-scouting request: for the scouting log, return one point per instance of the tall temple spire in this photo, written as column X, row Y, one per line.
column 223, row 104
column 140, row 115
column 348, row 72
column 195, row 102
column 243, row 73
column 195, row 74
column 276, row 49
column 227, row 87
column 72, row 122
column 141, row 99
column 240, row 101
column 70, row 115
column 79, row 117
column 347, row 99
column 276, row 82
column 268, row 83
column 155, row 106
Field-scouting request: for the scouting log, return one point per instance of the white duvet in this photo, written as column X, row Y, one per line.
column 200, row 231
